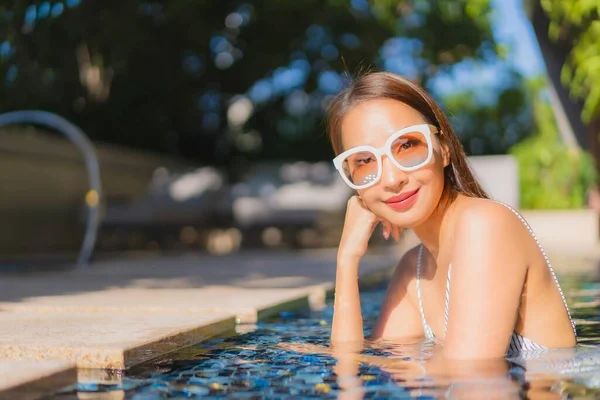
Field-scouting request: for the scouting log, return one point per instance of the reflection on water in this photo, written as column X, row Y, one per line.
column 289, row 357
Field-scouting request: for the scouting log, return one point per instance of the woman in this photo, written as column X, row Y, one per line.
column 479, row 282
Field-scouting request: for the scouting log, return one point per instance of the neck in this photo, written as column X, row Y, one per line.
column 431, row 231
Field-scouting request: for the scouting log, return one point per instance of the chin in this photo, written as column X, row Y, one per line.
column 406, row 219
column 408, row 222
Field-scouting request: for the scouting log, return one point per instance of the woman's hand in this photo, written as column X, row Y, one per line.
column 359, row 224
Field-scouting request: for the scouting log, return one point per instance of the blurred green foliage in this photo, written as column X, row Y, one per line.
column 552, row 174
column 578, row 21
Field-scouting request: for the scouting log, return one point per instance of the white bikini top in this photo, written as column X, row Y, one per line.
column 518, row 343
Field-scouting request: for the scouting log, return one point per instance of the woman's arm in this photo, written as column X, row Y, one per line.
column 347, row 325
column 398, row 318
column 488, row 274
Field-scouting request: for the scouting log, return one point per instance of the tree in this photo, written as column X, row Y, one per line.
column 552, row 174
column 220, row 81
column 578, row 22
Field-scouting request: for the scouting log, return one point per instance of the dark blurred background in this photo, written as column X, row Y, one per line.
column 207, row 116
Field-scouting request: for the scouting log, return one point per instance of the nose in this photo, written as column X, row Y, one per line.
column 392, row 177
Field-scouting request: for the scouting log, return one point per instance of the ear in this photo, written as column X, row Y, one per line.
column 445, row 153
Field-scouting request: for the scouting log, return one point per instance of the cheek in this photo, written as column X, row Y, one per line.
column 369, row 196
column 434, row 172
column 430, row 176
column 431, row 180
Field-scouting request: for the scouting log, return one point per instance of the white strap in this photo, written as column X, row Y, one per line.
column 447, row 302
column 547, row 262
column 428, row 332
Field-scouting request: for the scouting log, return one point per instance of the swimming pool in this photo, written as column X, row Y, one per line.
column 287, row 357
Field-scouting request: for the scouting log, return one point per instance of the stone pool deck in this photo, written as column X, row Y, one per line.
column 118, row 313
column 57, row 326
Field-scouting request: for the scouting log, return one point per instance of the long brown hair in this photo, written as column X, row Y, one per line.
column 385, row 85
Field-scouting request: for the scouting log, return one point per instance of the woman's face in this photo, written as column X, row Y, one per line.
column 372, row 123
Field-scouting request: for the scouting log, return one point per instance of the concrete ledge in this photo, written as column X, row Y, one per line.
column 103, row 340
column 562, row 229
column 276, row 309
column 24, row 380
column 119, row 314
column 248, row 305
column 499, row 177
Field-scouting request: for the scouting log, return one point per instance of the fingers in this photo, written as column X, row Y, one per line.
column 396, row 233
column 387, row 229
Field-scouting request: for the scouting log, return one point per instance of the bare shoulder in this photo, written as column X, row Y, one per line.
column 476, row 214
column 489, row 228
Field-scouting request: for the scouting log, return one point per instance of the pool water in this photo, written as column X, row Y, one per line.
column 288, row 357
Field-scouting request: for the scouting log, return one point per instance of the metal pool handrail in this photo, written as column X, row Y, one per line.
column 93, row 197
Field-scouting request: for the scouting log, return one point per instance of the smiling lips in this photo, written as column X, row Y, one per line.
column 403, row 201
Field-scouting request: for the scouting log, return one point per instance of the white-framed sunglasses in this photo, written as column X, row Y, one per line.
column 409, row 149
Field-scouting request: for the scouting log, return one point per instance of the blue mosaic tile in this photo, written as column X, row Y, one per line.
column 264, row 364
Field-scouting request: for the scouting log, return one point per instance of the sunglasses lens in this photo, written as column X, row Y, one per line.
column 410, row 150
column 360, row 168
